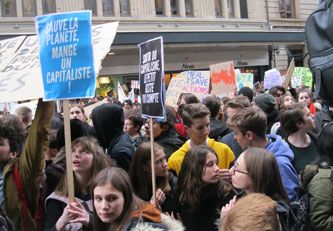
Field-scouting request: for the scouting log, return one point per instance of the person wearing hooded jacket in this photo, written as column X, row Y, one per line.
column 108, row 120
column 249, row 126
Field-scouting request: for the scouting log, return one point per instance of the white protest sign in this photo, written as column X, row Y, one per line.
column 102, row 38
column 244, row 80
column 272, row 78
column 8, row 47
column 175, row 88
column 296, row 81
column 21, row 79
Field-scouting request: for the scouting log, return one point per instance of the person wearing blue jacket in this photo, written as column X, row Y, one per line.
column 249, row 126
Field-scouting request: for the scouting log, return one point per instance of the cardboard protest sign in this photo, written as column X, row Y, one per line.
column 151, row 78
column 21, row 79
column 289, row 74
column 66, row 55
column 223, row 78
column 8, row 48
column 175, row 88
column 305, row 75
column 272, row 78
column 244, row 80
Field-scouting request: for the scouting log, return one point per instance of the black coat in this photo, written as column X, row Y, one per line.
column 218, row 129
column 207, row 212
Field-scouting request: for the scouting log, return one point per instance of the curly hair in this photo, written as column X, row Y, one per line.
column 14, row 137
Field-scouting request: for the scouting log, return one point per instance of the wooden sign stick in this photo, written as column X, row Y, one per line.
column 68, row 146
column 153, row 178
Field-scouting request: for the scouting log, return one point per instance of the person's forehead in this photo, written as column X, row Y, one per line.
column 201, row 120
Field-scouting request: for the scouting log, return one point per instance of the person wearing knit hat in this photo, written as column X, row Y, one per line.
column 266, row 102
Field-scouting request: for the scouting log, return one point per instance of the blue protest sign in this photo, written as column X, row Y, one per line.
column 151, row 78
column 66, row 55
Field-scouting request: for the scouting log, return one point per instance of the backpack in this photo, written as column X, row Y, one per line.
column 303, row 210
column 319, row 38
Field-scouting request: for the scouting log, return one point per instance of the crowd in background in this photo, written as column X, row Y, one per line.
column 249, row 161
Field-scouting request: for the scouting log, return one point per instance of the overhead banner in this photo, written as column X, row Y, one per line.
column 223, row 78
column 21, row 77
column 151, row 78
column 66, row 55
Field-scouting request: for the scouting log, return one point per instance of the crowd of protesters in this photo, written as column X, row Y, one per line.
column 249, row 161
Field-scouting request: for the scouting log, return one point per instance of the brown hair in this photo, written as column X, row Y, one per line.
column 194, row 111
column 25, row 113
column 140, row 178
column 290, row 116
column 100, row 161
column 119, row 179
column 250, row 119
column 190, row 180
column 252, row 212
column 239, row 101
column 78, row 106
column 281, row 100
column 264, row 172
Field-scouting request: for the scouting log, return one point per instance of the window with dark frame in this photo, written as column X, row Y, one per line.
column 29, row 8
column 218, row 8
column 108, row 10
column 189, row 8
column 90, row 5
column 174, row 7
column 159, row 9
column 8, row 8
column 287, row 8
column 125, row 9
column 49, row 6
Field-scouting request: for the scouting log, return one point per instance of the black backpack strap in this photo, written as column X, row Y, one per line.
column 318, row 83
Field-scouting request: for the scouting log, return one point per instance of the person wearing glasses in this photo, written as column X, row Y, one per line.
column 249, row 126
column 257, row 171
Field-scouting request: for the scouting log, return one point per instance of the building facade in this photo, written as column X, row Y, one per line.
column 256, row 34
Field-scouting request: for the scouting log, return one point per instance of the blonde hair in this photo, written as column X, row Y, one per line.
column 253, row 212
